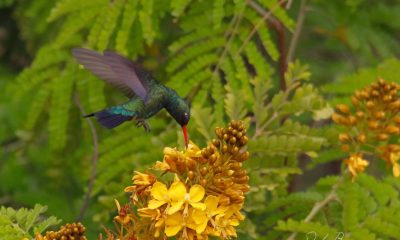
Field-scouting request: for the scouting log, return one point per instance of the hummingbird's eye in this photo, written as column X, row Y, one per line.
column 186, row 117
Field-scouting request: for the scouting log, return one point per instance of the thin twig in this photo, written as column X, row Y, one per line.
column 94, row 161
column 259, row 24
column 318, row 206
column 281, row 40
column 299, row 27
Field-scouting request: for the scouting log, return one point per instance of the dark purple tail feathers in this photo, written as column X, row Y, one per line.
column 109, row 120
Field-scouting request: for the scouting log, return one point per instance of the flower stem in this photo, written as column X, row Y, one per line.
column 318, row 206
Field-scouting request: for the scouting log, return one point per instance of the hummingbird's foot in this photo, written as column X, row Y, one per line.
column 142, row 122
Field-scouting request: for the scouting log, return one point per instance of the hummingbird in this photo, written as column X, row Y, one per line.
column 147, row 96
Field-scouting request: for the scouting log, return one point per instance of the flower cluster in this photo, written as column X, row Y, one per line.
column 202, row 197
column 373, row 127
column 70, row 231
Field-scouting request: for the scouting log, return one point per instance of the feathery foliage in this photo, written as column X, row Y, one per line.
column 227, row 57
column 24, row 223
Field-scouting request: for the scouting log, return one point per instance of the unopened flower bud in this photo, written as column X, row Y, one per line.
column 387, row 98
column 397, row 119
column 232, row 140
column 224, row 200
column 359, row 114
column 224, row 148
column 226, row 137
column 228, row 172
column 203, row 171
column 242, row 180
column 345, row 147
column 373, row 124
column 361, row 138
column 343, row 108
column 240, row 173
column 203, row 182
column 392, row 129
column 379, row 115
column 337, row 118
column 244, row 140
column 355, row 101
column 218, row 181
column 344, row 137
column 215, row 142
column 244, row 156
column 234, row 150
column 238, row 199
column 382, row 137
column 370, row 104
column 218, row 132
column 395, row 105
column 191, row 175
column 212, row 158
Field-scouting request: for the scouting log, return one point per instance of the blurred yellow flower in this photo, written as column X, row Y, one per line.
column 394, row 158
column 391, row 154
column 356, row 164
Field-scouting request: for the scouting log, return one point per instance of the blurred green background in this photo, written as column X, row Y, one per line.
column 46, row 148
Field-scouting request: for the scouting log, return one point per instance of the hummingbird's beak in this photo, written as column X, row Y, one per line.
column 185, row 135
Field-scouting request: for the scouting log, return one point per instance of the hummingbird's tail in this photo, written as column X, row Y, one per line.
column 108, row 119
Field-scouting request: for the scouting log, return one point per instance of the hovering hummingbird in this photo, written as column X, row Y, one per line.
column 146, row 95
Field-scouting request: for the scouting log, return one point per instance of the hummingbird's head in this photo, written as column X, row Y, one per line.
column 180, row 111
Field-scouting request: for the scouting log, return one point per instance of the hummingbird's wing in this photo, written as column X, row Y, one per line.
column 135, row 77
column 106, row 67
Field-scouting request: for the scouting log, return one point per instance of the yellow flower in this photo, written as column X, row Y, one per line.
column 160, row 195
column 201, row 218
column 225, row 223
column 179, row 222
column 142, row 183
column 179, row 197
column 356, row 164
column 174, row 223
column 394, row 157
column 391, row 153
column 143, row 179
column 161, row 166
column 156, row 216
column 176, row 196
column 124, row 217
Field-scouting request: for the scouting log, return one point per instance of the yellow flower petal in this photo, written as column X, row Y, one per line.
column 177, row 191
column 161, row 166
column 396, row 170
column 173, row 224
column 234, row 222
column 174, row 219
column 171, row 231
column 153, row 203
column 147, row 212
column 175, row 206
column 159, row 223
column 159, row 191
column 196, row 193
column 199, row 216
column 211, row 203
column 201, row 227
column 199, row 206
